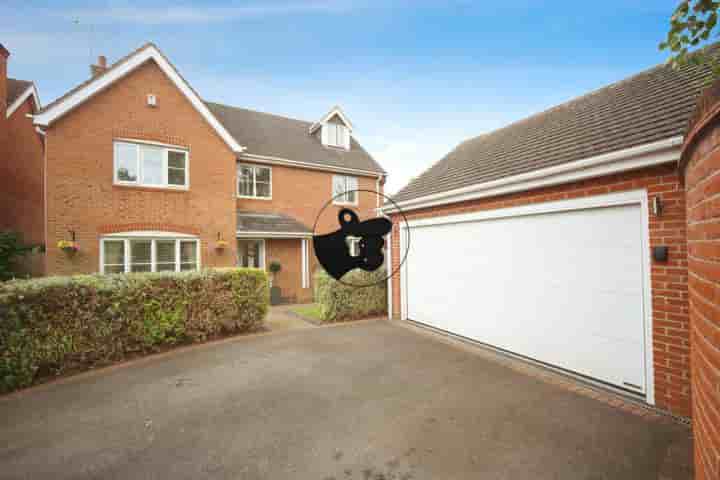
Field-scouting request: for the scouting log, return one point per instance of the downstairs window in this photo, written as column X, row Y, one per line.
column 147, row 254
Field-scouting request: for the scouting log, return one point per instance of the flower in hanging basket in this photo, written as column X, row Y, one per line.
column 68, row 246
column 221, row 244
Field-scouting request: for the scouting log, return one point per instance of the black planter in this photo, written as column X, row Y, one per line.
column 275, row 296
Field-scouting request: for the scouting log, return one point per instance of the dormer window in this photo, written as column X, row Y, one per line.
column 334, row 129
column 337, row 135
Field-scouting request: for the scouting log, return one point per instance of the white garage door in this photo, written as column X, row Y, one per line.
column 564, row 287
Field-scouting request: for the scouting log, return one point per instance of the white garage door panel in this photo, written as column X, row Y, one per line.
column 563, row 288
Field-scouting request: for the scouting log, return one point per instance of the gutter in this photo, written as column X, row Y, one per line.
column 650, row 154
column 311, row 166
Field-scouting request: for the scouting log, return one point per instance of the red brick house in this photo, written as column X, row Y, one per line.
column 142, row 174
column 21, row 163
column 563, row 239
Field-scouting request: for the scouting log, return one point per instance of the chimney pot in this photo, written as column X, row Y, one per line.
column 99, row 67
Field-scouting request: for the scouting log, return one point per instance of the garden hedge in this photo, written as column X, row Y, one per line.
column 341, row 301
column 52, row 325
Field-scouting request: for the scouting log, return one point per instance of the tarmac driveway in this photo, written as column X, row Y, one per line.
column 369, row 400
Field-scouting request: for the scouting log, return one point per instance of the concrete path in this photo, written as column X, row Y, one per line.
column 357, row 401
column 280, row 318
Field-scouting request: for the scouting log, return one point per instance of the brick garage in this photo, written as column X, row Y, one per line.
column 591, row 186
column 701, row 166
column 671, row 348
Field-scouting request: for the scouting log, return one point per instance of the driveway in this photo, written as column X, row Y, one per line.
column 368, row 400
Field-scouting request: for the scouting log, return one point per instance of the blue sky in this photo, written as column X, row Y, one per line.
column 415, row 77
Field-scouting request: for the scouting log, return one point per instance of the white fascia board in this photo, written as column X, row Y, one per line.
column 116, row 73
column 31, row 91
column 312, row 166
column 637, row 196
column 336, row 110
column 641, row 156
column 257, row 234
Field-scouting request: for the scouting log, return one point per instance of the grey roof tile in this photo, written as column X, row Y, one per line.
column 276, row 136
column 15, row 88
column 268, row 223
column 650, row 106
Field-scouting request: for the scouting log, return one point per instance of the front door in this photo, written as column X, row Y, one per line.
column 251, row 253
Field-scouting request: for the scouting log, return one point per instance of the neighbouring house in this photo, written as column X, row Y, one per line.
column 563, row 238
column 21, row 164
column 142, row 174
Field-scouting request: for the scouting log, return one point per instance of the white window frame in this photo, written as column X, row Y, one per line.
column 154, row 237
column 353, row 244
column 139, row 164
column 342, row 135
column 254, row 181
column 261, row 253
column 339, row 199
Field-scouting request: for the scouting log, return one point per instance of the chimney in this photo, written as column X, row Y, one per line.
column 4, row 54
column 100, row 67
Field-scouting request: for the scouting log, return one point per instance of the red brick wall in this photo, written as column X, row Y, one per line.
column 81, row 194
column 302, row 194
column 701, row 159
column 21, row 185
column 289, row 253
column 671, row 347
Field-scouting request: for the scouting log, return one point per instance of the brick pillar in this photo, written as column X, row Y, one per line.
column 700, row 165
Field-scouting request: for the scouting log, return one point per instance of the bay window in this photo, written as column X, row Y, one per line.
column 150, row 165
column 147, row 254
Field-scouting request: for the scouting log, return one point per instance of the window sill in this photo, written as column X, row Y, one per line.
column 346, row 204
column 148, row 188
column 243, row 197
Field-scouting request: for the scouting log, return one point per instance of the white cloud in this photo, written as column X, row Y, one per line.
column 193, row 14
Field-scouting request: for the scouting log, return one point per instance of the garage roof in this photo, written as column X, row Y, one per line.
column 650, row 106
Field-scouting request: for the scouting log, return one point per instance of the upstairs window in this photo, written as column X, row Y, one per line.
column 345, row 189
column 150, row 165
column 254, row 181
column 337, row 135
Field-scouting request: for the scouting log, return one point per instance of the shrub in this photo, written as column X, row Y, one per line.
column 56, row 324
column 342, row 301
column 11, row 248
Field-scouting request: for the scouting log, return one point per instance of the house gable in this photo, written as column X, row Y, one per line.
column 122, row 68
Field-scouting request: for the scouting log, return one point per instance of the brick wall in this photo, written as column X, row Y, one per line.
column 671, row 347
column 21, row 185
column 81, row 194
column 302, row 194
column 289, row 253
column 701, row 162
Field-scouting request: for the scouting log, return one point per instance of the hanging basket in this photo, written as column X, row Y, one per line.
column 68, row 246
column 221, row 245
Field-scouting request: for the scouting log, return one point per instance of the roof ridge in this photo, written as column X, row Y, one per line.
column 285, row 117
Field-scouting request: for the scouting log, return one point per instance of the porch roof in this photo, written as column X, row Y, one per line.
column 269, row 225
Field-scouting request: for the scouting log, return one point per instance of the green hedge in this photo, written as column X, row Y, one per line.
column 341, row 301
column 57, row 324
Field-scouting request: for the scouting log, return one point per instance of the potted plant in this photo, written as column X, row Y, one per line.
column 275, row 292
